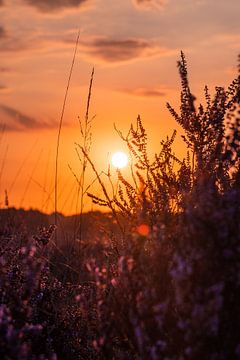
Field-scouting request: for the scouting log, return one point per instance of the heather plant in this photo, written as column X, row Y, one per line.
column 42, row 317
column 175, row 288
column 20, row 292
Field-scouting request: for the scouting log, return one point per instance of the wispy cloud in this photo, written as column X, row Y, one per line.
column 17, row 121
column 35, row 41
column 150, row 4
column 98, row 49
column 54, row 5
column 145, row 92
column 123, row 50
column 11, row 42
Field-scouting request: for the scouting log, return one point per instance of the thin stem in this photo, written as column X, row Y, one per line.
column 60, row 126
column 104, row 190
column 86, row 147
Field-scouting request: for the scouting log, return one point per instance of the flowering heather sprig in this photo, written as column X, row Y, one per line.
column 44, row 235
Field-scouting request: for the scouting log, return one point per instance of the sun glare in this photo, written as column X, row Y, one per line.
column 119, row 159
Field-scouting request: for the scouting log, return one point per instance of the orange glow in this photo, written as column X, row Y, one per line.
column 143, row 230
column 135, row 73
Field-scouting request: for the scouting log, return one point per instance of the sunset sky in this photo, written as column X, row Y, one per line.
column 134, row 47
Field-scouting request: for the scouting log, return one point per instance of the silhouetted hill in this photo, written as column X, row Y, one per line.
column 28, row 222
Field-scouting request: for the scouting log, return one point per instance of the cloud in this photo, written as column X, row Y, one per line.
column 10, row 45
column 35, row 41
column 16, row 41
column 145, row 92
column 150, row 4
column 9, row 42
column 54, row 5
column 1, row 3
column 17, row 121
column 117, row 51
column 97, row 49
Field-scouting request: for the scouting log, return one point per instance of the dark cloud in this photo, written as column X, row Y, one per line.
column 150, row 3
column 144, row 92
column 54, row 5
column 1, row 2
column 121, row 50
column 17, row 121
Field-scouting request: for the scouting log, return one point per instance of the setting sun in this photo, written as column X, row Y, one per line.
column 119, row 159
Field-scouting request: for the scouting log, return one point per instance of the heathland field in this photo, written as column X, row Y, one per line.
column 156, row 273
